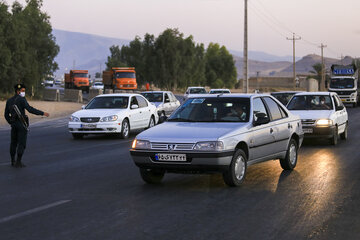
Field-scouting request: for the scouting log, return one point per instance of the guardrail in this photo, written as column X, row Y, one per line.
column 73, row 95
column 51, row 95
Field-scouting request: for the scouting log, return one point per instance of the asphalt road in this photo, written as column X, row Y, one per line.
column 90, row 189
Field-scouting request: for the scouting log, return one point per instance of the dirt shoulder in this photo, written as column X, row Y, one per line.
column 56, row 110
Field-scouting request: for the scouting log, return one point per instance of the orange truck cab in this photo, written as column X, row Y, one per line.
column 77, row 79
column 120, row 78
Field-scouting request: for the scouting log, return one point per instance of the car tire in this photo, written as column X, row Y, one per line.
column 151, row 122
column 236, row 173
column 77, row 136
column 290, row 160
column 125, row 129
column 344, row 135
column 151, row 176
column 334, row 138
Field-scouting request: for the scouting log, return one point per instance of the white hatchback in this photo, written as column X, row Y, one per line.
column 113, row 113
column 322, row 114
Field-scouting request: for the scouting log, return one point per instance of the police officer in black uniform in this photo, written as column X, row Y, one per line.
column 19, row 124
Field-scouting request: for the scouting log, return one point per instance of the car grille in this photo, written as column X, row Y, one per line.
column 172, row 146
column 90, row 119
column 344, row 93
column 307, row 121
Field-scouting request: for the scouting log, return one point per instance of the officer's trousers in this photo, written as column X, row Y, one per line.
column 18, row 139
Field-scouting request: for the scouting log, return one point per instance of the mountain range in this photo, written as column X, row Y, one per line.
column 88, row 51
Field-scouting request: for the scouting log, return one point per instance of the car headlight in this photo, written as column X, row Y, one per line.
column 324, row 122
column 209, row 146
column 141, row 144
column 352, row 95
column 109, row 118
column 74, row 119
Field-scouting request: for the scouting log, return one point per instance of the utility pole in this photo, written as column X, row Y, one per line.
column 246, row 77
column 322, row 83
column 294, row 73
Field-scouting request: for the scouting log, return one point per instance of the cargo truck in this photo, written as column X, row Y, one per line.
column 344, row 81
column 123, row 78
column 77, row 79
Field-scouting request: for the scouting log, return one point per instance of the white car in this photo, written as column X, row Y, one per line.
column 98, row 85
column 113, row 113
column 218, row 91
column 165, row 101
column 322, row 114
column 219, row 133
column 194, row 90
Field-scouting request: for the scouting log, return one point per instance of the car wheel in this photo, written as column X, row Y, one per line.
column 344, row 135
column 334, row 138
column 235, row 175
column 151, row 122
column 151, row 176
column 125, row 129
column 77, row 135
column 290, row 160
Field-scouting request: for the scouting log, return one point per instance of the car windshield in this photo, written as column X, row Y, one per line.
column 108, row 103
column 219, row 91
column 125, row 75
column 80, row 75
column 98, row 84
column 213, row 110
column 284, row 98
column 342, row 83
column 153, row 97
column 197, row 90
column 310, row 102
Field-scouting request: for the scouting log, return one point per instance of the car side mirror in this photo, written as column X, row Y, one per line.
column 261, row 121
column 83, row 107
column 339, row 108
column 167, row 100
column 134, row 106
column 162, row 119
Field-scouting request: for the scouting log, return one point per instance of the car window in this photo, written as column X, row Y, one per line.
column 259, row 109
column 172, row 96
column 213, row 110
column 153, row 97
column 339, row 100
column 197, row 90
column 283, row 113
column 142, row 102
column 134, row 101
column 166, row 98
column 310, row 102
column 274, row 108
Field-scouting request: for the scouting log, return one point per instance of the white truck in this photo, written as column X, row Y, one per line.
column 344, row 81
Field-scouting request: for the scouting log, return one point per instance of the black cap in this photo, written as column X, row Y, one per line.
column 19, row 86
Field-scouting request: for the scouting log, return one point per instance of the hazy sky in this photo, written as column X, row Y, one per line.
column 332, row 22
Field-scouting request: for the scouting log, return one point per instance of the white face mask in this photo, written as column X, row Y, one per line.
column 22, row 94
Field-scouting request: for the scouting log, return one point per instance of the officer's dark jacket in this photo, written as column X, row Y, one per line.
column 22, row 105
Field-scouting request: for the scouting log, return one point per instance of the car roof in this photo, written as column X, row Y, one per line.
column 313, row 93
column 286, row 92
column 233, row 95
column 196, row 87
column 156, row 92
column 219, row 89
column 119, row 95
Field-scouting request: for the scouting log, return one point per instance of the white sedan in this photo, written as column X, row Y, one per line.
column 98, row 85
column 113, row 113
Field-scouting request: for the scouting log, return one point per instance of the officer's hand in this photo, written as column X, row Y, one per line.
column 46, row 114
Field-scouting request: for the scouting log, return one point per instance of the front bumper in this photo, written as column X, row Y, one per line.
column 99, row 127
column 196, row 161
column 318, row 132
column 348, row 100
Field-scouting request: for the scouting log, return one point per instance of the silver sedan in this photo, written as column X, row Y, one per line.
column 226, row 133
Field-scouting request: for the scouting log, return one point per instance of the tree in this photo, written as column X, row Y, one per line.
column 317, row 70
column 5, row 53
column 114, row 60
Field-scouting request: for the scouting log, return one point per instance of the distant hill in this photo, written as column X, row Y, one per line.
column 85, row 51
column 90, row 52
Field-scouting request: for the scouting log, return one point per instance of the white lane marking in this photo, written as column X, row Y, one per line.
column 34, row 210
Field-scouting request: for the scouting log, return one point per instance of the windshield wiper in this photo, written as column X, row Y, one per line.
column 179, row 120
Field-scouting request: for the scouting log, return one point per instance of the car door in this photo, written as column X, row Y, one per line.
column 340, row 115
column 167, row 104
column 135, row 114
column 174, row 102
column 262, row 136
column 280, row 125
column 145, row 112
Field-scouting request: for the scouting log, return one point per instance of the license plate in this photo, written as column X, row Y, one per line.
column 307, row 130
column 88, row 125
column 344, row 100
column 170, row 157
